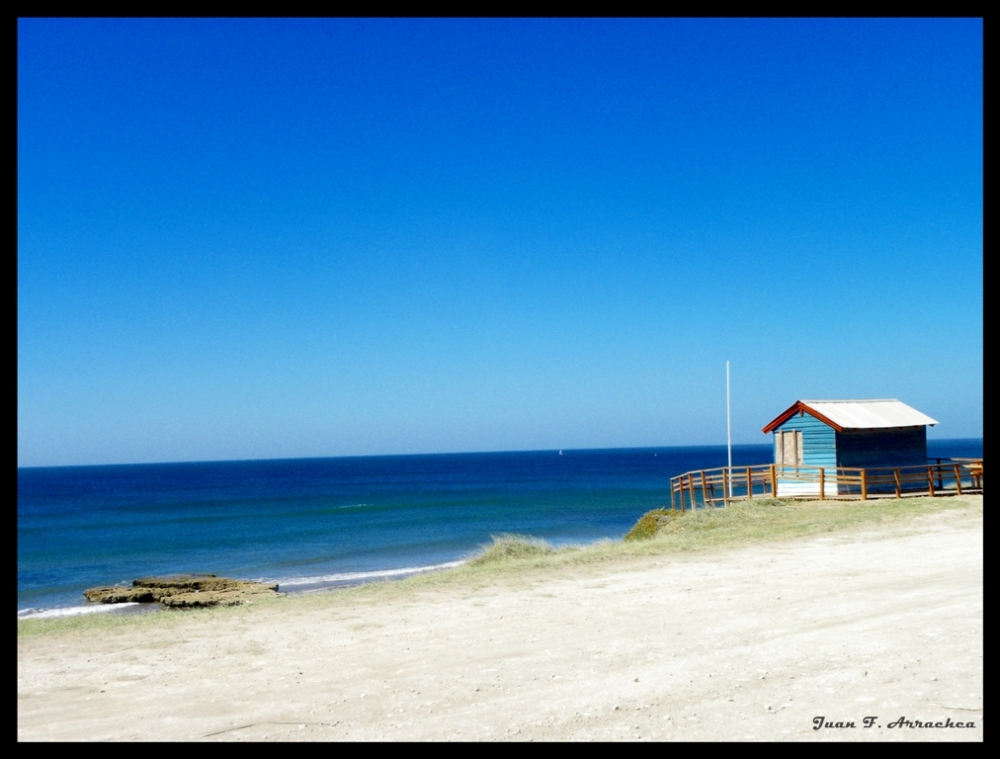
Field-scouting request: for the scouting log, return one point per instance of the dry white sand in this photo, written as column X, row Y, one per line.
column 739, row 644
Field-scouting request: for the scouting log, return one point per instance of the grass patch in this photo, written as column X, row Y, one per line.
column 510, row 548
column 86, row 623
column 513, row 558
column 650, row 523
column 115, row 622
column 761, row 520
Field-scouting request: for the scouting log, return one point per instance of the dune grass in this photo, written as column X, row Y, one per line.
column 93, row 622
column 651, row 523
column 514, row 558
column 506, row 549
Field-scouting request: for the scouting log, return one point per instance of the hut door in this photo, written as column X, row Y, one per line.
column 788, row 448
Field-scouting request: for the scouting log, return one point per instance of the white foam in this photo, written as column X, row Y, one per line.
column 354, row 576
column 71, row 611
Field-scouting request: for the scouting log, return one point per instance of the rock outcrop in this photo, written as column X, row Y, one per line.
column 184, row 591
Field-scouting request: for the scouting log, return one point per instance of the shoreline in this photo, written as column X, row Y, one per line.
column 298, row 585
column 336, row 581
column 750, row 642
column 278, row 521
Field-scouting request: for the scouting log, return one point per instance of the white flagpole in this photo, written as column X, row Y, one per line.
column 729, row 428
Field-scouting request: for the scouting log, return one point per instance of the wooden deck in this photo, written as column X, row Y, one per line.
column 713, row 488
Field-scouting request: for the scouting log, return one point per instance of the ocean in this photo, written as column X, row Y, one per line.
column 316, row 523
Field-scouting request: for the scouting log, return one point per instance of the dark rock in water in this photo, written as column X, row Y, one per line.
column 184, row 591
column 118, row 595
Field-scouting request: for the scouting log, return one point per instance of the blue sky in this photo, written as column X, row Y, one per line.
column 285, row 238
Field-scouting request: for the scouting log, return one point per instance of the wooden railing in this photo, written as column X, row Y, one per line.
column 716, row 487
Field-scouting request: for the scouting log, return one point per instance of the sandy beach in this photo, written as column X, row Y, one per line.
column 746, row 643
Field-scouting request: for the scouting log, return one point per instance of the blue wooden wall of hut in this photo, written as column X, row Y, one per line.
column 892, row 446
column 823, row 446
column 819, row 441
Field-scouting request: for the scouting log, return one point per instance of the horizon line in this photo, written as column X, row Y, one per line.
column 401, row 455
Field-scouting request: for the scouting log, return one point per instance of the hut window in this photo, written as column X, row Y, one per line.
column 788, row 448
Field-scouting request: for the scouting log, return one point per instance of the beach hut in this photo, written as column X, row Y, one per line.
column 858, row 433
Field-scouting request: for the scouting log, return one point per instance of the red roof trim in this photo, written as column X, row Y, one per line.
column 788, row 413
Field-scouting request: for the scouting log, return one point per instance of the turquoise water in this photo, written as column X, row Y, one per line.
column 310, row 523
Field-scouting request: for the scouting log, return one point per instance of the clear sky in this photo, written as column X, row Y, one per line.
column 289, row 238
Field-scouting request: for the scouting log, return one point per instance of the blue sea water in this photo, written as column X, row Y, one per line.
column 309, row 523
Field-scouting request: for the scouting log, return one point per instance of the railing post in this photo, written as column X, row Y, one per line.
column 694, row 500
column 958, row 479
column 672, row 507
column 680, row 487
column 725, row 485
column 749, row 484
column 704, row 489
column 899, row 485
column 930, row 480
column 774, row 481
column 864, row 484
column 822, row 484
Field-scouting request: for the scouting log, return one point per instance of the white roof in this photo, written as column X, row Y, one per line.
column 869, row 414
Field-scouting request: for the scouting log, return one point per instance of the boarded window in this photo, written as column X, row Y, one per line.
column 788, row 448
